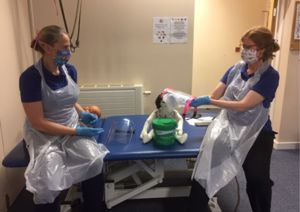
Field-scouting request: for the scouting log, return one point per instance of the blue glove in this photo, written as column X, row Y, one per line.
column 88, row 131
column 201, row 100
column 88, row 118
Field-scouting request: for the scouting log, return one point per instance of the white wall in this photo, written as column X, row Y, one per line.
column 286, row 117
column 116, row 43
column 15, row 57
column 218, row 29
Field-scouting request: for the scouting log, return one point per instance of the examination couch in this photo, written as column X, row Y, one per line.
column 134, row 150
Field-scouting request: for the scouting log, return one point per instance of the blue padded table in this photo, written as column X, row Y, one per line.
column 139, row 155
column 136, row 149
column 136, row 157
column 18, row 156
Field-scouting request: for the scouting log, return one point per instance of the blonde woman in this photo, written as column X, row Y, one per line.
column 62, row 152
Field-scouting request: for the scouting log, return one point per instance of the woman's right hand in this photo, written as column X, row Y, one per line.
column 88, row 131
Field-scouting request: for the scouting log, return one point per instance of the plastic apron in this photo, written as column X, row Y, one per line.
column 230, row 136
column 57, row 162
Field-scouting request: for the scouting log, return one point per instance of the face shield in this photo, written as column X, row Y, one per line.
column 177, row 99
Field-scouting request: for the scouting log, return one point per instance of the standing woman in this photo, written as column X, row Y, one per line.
column 62, row 152
column 241, row 136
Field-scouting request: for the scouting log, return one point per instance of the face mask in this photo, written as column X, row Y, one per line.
column 249, row 56
column 62, row 57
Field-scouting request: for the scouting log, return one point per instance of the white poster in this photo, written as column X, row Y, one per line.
column 179, row 30
column 161, row 29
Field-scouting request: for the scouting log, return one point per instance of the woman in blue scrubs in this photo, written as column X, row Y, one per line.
column 63, row 151
column 241, row 136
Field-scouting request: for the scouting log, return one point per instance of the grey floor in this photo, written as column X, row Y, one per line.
column 284, row 173
column 285, row 192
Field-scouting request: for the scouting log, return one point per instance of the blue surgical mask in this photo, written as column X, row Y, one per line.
column 62, row 57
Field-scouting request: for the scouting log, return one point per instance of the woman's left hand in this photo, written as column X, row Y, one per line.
column 87, row 117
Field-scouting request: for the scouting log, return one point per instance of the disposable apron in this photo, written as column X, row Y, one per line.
column 57, row 162
column 230, row 136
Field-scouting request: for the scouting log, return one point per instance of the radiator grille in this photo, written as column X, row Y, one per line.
column 114, row 100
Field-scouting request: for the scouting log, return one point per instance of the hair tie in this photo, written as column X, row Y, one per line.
column 36, row 39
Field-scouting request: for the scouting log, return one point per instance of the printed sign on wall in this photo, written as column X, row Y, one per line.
column 170, row 29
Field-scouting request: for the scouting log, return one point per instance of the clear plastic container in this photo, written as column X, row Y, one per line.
column 121, row 131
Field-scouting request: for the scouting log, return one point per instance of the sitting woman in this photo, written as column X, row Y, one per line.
column 62, row 152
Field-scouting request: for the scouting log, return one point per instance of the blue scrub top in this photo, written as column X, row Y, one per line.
column 30, row 82
column 266, row 86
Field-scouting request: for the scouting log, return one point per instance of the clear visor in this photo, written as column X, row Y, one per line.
column 121, row 131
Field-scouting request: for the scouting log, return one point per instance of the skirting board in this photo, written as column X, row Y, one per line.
column 282, row 145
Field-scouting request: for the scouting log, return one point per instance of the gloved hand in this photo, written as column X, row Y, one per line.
column 87, row 117
column 201, row 100
column 88, row 131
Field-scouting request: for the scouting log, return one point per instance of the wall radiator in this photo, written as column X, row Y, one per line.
column 114, row 99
